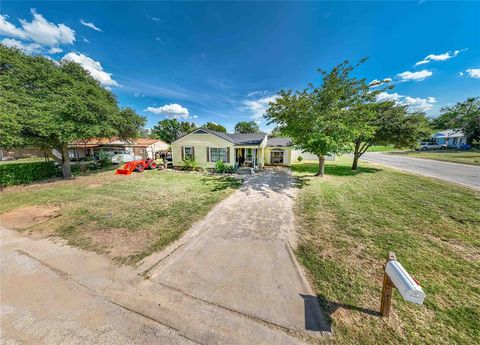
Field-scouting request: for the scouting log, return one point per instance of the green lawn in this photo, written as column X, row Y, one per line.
column 347, row 224
column 125, row 217
column 465, row 157
column 381, row 148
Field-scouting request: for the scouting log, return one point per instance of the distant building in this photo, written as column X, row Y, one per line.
column 145, row 148
column 453, row 138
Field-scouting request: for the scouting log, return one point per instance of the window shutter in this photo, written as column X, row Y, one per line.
column 182, row 153
column 228, row 154
column 208, row 154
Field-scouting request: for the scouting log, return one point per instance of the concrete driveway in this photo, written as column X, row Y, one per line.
column 241, row 258
column 232, row 279
column 466, row 175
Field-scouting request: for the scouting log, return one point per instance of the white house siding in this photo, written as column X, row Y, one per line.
column 156, row 147
column 287, row 151
column 308, row 156
column 200, row 142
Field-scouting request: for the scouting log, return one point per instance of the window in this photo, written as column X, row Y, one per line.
column 218, row 154
column 249, row 155
column 188, row 152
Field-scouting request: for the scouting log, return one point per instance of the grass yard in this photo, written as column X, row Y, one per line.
column 125, row 217
column 465, row 157
column 347, row 224
column 381, row 148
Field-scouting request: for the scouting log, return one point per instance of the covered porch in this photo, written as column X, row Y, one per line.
column 249, row 156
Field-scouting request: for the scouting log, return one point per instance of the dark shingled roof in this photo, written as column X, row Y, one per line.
column 279, row 142
column 237, row 138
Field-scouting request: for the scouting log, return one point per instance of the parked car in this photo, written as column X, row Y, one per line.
column 424, row 146
column 124, row 157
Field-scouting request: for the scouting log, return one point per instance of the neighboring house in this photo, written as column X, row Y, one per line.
column 451, row 137
column 145, row 148
column 252, row 149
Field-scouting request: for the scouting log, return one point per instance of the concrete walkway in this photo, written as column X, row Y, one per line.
column 466, row 175
column 241, row 257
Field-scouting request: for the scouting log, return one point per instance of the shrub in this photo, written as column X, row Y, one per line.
column 189, row 164
column 299, row 159
column 221, row 167
column 13, row 174
column 104, row 159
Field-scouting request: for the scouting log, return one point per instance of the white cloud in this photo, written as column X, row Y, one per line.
column 438, row 57
column 92, row 66
column 419, row 103
column 175, row 111
column 417, row 76
column 258, row 106
column 413, row 103
column 473, row 72
column 28, row 48
column 376, row 82
column 385, row 96
column 39, row 31
column 10, row 30
column 55, row 50
column 90, row 25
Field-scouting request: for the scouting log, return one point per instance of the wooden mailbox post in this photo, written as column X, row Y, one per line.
column 394, row 275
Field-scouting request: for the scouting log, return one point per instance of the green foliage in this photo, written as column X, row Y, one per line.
column 13, row 174
column 463, row 115
column 387, row 124
column 214, row 127
column 170, row 130
column 299, row 159
column 247, row 127
column 319, row 119
column 51, row 104
column 189, row 164
column 104, row 159
column 221, row 167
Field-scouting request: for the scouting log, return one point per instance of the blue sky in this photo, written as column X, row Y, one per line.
column 223, row 61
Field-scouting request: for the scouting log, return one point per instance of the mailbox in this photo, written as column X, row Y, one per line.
column 405, row 284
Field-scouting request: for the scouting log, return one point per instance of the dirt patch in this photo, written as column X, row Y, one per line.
column 121, row 242
column 25, row 217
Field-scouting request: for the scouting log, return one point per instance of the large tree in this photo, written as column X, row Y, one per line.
column 463, row 116
column 319, row 119
column 247, row 127
column 171, row 129
column 51, row 104
column 386, row 123
column 214, row 127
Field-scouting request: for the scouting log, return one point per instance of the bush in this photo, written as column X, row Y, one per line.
column 221, row 167
column 189, row 164
column 104, row 159
column 13, row 174
column 299, row 159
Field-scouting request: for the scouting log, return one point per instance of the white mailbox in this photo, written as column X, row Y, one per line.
column 405, row 284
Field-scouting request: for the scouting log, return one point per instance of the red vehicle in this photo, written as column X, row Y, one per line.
column 137, row 166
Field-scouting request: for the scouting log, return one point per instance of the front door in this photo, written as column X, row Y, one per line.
column 276, row 157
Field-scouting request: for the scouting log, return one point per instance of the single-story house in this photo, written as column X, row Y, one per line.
column 451, row 137
column 145, row 148
column 237, row 149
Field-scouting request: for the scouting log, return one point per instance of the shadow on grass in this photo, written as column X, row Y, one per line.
column 332, row 169
column 318, row 312
column 219, row 183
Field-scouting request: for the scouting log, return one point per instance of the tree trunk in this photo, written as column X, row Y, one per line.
column 321, row 166
column 356, row 155
column 66, row 167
